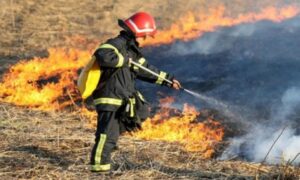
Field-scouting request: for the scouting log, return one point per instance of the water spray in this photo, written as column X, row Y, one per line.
column 170, row 82
column 211, row 101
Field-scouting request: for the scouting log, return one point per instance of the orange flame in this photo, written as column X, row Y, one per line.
column 193, row 25
column 48, row 83
column 28, row 83
column 183, row 128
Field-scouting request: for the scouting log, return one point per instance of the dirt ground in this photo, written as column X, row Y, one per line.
column 57, row 145
column 39, row 145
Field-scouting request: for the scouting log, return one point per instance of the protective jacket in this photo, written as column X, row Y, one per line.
column 115, row 94
column 117, row 84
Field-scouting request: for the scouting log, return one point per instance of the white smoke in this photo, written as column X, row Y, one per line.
column 213, row 42
column 205, row 45
column 243, row 30
column 289, row 102
column 260, row 138
column 255, row 62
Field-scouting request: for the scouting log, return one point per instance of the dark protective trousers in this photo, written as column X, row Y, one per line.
column 107, row 134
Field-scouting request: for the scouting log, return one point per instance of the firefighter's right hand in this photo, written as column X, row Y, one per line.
column 176, row 84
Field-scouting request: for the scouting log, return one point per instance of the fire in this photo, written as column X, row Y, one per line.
column 183, row 128
column 49, row 83
column 194, row 25
column 44, row 83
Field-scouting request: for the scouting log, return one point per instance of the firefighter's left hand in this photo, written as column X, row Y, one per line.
column 176, row 84
column 129, row 61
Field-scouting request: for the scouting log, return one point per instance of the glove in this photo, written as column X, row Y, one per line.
column 176, row 84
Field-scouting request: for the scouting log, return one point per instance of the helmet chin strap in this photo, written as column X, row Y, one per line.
column 125, row 27
column 131, row 34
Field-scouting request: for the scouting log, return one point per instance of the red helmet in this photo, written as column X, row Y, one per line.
column 141, row 24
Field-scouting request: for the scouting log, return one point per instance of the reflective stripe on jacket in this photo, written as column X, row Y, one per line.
column 117, row 81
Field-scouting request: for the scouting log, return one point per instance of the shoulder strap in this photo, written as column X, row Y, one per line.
column 102, row 85
column 116, row 44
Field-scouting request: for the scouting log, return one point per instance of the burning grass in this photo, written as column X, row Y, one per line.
column 194, row 25
column 183, row 127
column 36, row 144
column 43, row 80
column 47, row 81
column 56, row 144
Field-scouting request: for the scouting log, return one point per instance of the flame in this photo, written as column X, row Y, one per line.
column 49, row 83
column 183, row 128
column 44, row 83
column 194, row 25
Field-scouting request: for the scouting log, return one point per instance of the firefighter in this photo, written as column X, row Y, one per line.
column 119, row 105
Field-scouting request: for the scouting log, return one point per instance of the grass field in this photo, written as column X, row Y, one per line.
column 42, row 145
column 57, row 145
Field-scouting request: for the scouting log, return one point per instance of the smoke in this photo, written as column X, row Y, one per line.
column 254, row 40
column 289, row 102
column 256, row 144
column 253, row 68
column 213, row 42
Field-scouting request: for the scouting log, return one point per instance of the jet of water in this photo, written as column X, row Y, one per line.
column 219, row 105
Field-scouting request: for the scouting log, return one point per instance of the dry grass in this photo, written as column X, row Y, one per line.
column 52, row 145
column 56, row 145
column 28, row 27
